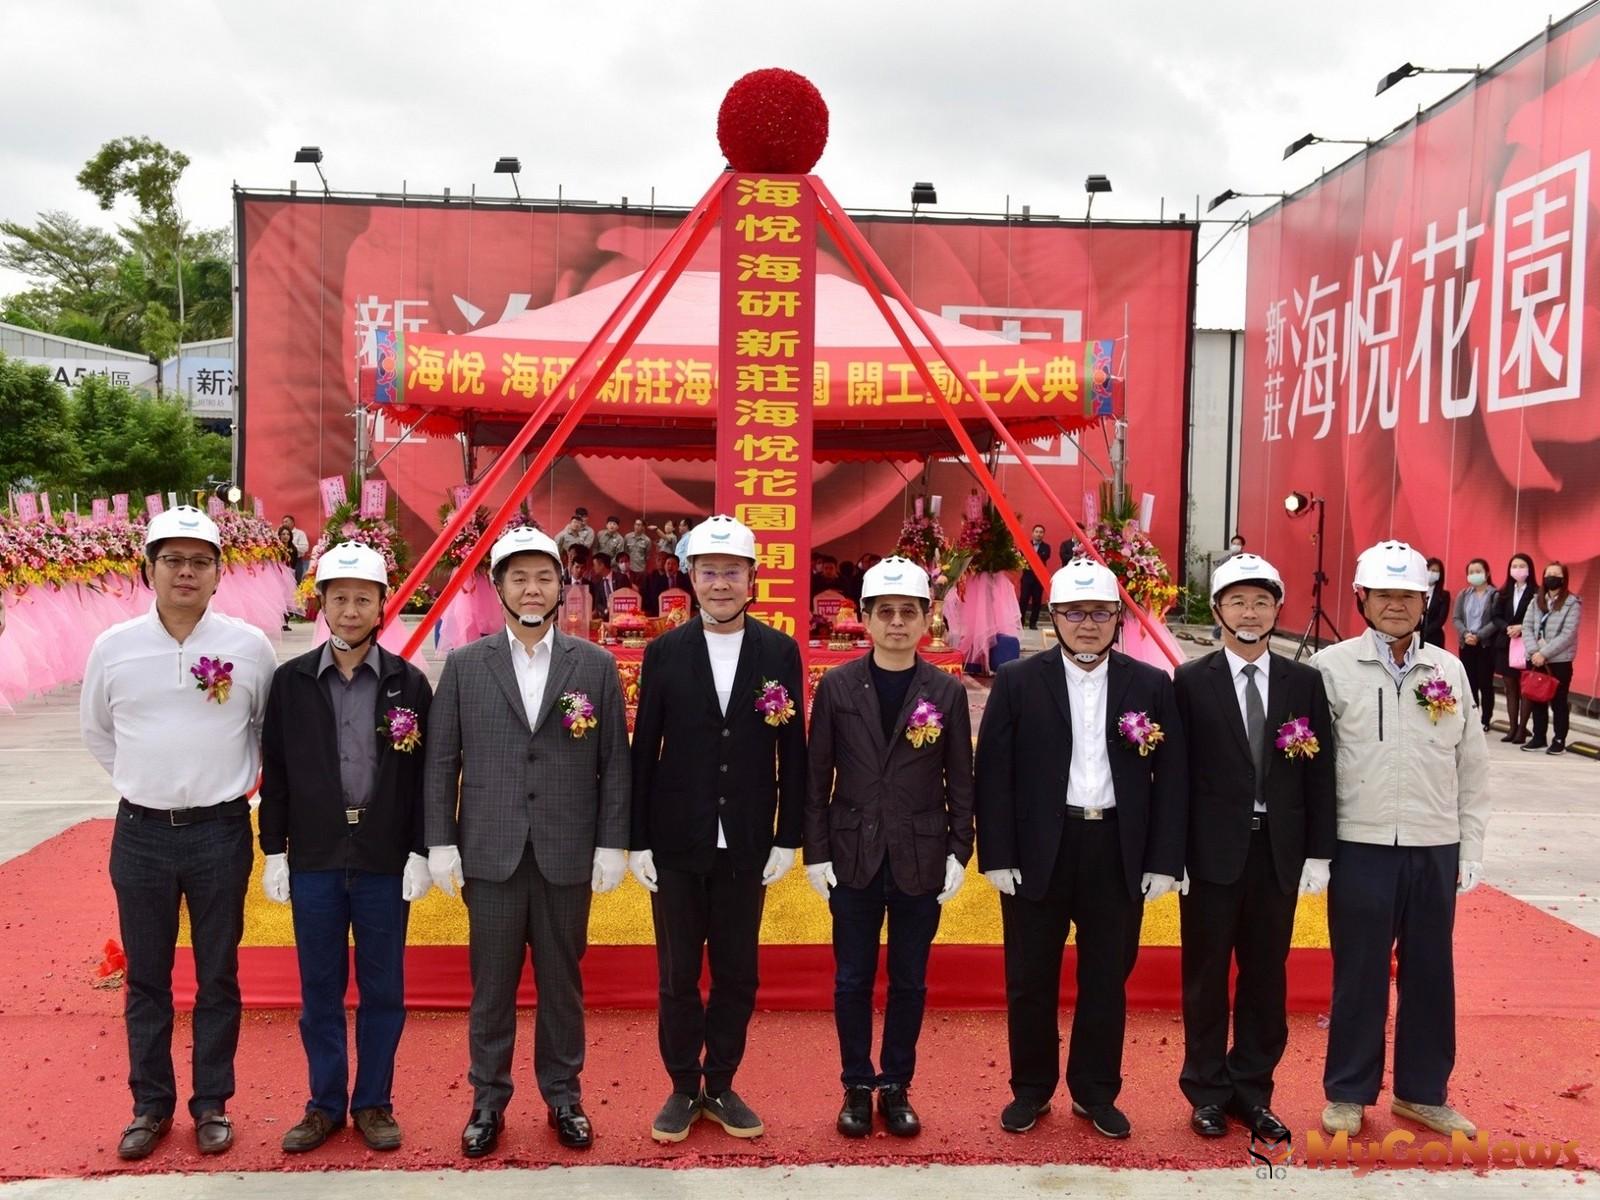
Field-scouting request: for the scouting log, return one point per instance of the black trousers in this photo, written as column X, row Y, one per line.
column 1249, row 921
column 1561, row 703
column 715, row 916
column 1400, row 899
column 1087, row 892
column 1032, row 599
column 154, row 866
column 1479, row 662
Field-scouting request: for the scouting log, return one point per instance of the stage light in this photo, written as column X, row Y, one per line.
column 923, row 193
column 1407, row 70
column 1311, row 139
column 1094, row 185
column 313, row 155
column 1223, row 197
column 506, row 164
column 1296, row 504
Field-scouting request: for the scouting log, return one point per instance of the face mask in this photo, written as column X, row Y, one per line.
column 1433, row 577
column 1554, row 583
column 1519, row 574
column 1476, row 578
column 1238, row 546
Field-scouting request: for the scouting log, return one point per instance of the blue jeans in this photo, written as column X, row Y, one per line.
column 858, row 915
column 327, row 906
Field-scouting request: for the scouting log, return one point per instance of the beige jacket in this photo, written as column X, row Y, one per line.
column 1404, row 779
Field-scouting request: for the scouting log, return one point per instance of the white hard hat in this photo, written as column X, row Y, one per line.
column 720, row 534
column 524, row 539
column 1246, row 568
column 1083, row 579
column 1392, row 566
column 895, row 576
column 183, row 521
column 352, row 560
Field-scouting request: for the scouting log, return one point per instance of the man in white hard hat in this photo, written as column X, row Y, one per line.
column 172, row 706
column 341, row 828
column 1082, row 779
column 526, row 795
column 1413, row 806
column 888, row 833
column 1261, row 830
column 719, row 755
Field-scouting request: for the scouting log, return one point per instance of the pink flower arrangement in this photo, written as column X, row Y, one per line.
column 1436, row 696
column 1140, row 732
column 577, row 713
column 213, row 677
column 1296, row 740
column 405, row 732
column 925, row 724
column 774, row 704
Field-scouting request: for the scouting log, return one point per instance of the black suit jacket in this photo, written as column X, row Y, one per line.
column 868, row 798
column 656, row 582
column 1025, row 754
column 693, row 766
column 1044, row 557
column 597, row 589
column 1299, row 793
column 1436, row 616
column 302, row 802
column 1511, row 613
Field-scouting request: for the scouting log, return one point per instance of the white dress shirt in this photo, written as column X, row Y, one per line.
column 1089, row 776
column 149, row 724
column 1263, row 664
column 533, row 672
column 723, row 650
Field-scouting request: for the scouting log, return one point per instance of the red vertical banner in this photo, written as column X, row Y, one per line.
column 767, row 354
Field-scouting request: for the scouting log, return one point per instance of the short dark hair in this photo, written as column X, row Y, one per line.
column 603, row 557
column 580, row 512
column 615, row 518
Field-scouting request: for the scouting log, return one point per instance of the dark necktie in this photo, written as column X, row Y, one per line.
column 1255, row 725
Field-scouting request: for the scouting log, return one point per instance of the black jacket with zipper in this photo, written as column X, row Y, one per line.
column 302, row 802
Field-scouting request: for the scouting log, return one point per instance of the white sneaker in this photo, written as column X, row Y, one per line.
column 1340, row 1117
column 1440, row 1118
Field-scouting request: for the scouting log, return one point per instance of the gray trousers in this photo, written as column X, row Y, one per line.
column 504, row 920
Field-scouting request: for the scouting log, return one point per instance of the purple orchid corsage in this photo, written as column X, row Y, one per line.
column 403, row 728
column 925, row 724
column 1435, row 695
column 774, row 704
column 213, row 677
column 577, row 713
column 1140, row 732
column 1296, row 740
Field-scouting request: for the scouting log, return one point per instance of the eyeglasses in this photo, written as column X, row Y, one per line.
column 1076, row 616
column 1239, row 604
column 886, row 613
column 199, row 563
column 726, row 575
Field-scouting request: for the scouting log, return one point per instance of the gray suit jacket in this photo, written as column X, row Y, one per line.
column 492, row 786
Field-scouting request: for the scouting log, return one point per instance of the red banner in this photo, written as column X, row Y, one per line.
column 767, row 344
column 1423, row 345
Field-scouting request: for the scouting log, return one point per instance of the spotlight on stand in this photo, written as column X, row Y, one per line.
column 313, row 155
column 1406, row 70
column 1311, row 139
column 508, row 165
column 1094, row 185
column 923, row 193
column 1222, row 198
column 1298, row 504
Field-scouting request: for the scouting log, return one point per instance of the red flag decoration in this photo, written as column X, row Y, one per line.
column 767, row 349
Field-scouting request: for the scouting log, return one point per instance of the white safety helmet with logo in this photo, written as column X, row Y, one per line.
column 895, row 576
column 524, row 539
column 1391, row 566
column 1246, row 568
column 720, row 534
column 352, row 560
column 1083, row 579
column 182, row 521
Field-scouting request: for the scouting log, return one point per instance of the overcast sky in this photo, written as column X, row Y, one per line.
column 1171, row 100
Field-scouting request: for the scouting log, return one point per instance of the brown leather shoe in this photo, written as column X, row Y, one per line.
column 141, row 1136
column 213, row 1131
column 378, row 1127
column 315, row 1128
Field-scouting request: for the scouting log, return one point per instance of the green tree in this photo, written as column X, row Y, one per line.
column 135, row 443
column 36, row 445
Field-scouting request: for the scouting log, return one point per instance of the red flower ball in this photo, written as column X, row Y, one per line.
column 773, row 120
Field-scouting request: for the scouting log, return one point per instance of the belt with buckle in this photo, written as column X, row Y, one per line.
column 352, row 816
column 189, row 816
column 1078, row 813
column 1258, row 821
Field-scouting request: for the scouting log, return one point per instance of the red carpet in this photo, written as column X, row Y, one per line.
column 1529, row 1030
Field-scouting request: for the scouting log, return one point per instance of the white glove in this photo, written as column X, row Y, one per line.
column 1155, row 886
column 1314, row 876
column 778, row 864
column 642, row 865
column 444, row 867
column 821, row 878
column 1467, row 876
column 417, row 880
column 1183, row 884
column 954, row 876
column 1006, row 880
column 609, row 866
column 275, row 878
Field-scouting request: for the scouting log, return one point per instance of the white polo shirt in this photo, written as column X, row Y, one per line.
column 147, row 721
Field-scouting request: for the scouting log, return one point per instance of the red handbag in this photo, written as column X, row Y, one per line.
column 1539, row 686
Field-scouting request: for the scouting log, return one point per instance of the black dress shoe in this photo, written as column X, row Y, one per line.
column 894, row 1102
column 855, row 1117
column 1261, row 1121
column 1020, row 1115
column 1208, row 1120
column 572, row 1126
column 482, row 1133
